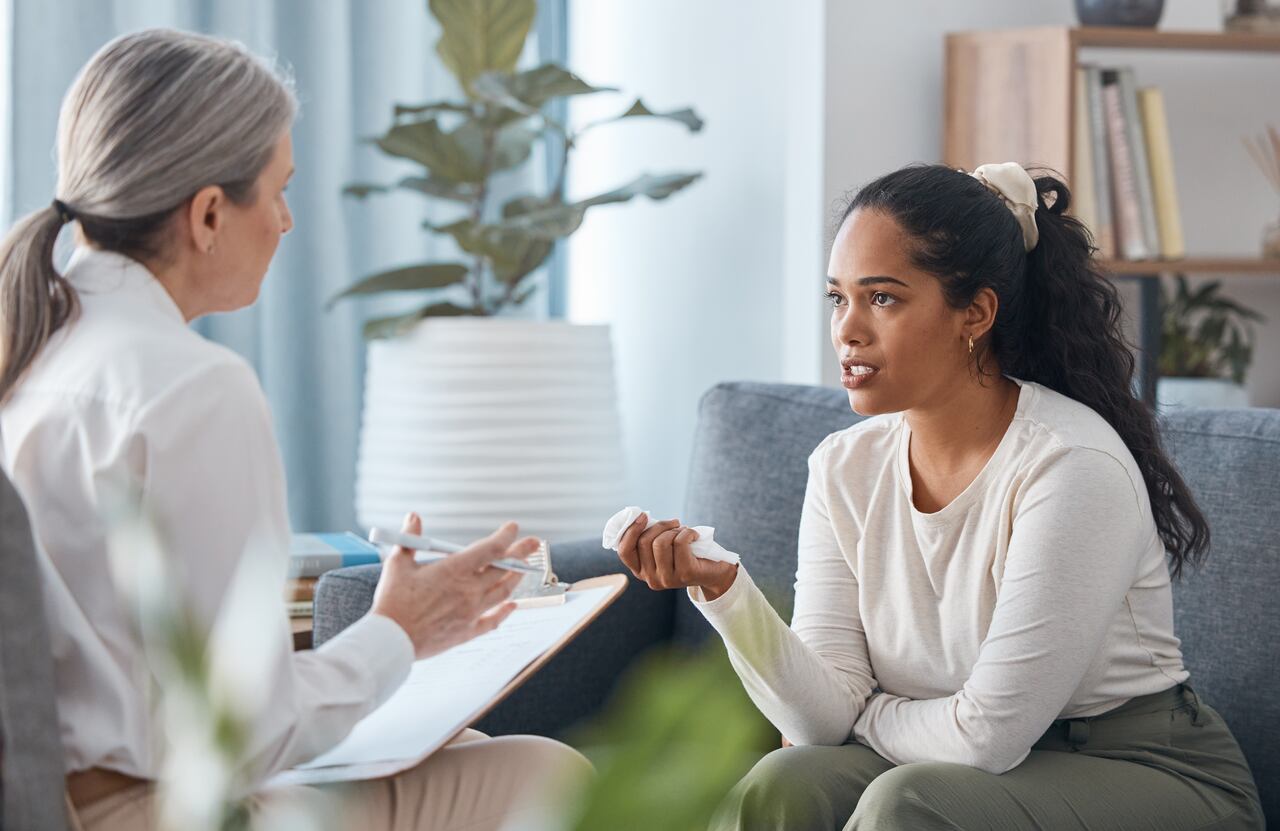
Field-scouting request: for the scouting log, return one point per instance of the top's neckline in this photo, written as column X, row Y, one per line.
column 975, row 488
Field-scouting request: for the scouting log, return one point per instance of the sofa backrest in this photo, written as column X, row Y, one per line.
column 1227, row 613
column 747, row 478
column 32, row 786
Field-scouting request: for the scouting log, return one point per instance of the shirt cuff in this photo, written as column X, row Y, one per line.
column 721, row 609
column 385, row 649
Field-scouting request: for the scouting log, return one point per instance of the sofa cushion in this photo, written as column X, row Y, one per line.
column 747, row 478
column 575, row 682
column 1226, row 613
column 31, row 760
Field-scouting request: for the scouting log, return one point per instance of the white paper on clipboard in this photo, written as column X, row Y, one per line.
column 445, row 693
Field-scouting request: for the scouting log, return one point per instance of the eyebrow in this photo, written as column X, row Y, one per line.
column 872, row 281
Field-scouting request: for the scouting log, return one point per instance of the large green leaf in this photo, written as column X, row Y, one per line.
column 430, row 109
column 412, row 278
column 687, row 117
column 362, row 189
column 458, row 156
column 512, row 144
column 441, row 188
column 440, row 152
column 650, row 185
column 481, row 35
column 512, row 253
column 429, row 185
column 552, row 221
column 527, row 91
column 389, row 327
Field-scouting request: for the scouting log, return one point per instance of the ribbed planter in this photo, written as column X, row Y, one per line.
column 1174, row 393
column 472, row 422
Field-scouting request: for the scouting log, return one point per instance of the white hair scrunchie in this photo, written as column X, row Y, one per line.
column 1014, row 185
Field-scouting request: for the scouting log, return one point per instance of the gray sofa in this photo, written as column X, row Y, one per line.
column 747, row 479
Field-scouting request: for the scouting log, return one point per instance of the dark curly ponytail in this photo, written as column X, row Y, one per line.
column 1059, row 318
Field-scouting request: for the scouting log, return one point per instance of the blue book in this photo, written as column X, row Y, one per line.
column 311, row 555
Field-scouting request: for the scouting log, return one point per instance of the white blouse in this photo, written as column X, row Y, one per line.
column 128, row 393
column 1040, row 592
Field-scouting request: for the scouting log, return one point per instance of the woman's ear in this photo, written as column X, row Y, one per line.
column 205, row 216
column 981, row 314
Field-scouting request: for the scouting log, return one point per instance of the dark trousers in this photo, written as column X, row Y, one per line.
column 1164, row 761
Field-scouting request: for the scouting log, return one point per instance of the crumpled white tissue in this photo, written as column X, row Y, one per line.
column 705, row 547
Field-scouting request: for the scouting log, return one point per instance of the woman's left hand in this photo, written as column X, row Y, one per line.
column 661, row 556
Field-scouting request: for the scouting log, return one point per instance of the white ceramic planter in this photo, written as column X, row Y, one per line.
column 475, row 421
column 1172, row 393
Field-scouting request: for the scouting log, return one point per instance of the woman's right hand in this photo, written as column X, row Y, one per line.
column 450, row 601
column 661, row 556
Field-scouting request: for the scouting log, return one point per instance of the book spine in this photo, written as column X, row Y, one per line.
column 1102, row 190
column 1141, row 167
column 314, row 565
column 1082, row 174
column 303, row 588
column 1130, row 239
column 1164, row 189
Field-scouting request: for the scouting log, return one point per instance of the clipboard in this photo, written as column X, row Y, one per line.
column 617, row 583
column 313, row 773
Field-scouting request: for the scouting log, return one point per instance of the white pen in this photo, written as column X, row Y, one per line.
column 384, row 536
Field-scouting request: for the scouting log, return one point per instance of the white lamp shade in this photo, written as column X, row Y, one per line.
column 475, row 421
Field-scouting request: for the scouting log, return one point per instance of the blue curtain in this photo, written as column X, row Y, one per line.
column 351, row 61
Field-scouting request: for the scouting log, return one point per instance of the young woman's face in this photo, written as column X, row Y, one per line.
column 892, row 319
column 252, row 233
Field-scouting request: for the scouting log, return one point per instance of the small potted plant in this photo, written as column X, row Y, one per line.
column 469, row 417
column 1206, row 346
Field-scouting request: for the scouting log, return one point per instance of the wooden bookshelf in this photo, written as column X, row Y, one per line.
column 1193, row 265
column 1009, row 95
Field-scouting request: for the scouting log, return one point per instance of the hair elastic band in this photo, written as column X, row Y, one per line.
column 1015, row 187
column 64, row 212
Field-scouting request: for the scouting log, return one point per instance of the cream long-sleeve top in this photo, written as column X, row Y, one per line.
column 128, row 393
column 1040, row 592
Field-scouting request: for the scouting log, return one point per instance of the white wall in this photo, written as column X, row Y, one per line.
column 805, row 102
column 693, row 284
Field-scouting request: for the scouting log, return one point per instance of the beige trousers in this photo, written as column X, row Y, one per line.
column 473, row 784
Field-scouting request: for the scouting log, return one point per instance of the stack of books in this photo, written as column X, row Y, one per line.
column 311, row 555
column 1123, row 168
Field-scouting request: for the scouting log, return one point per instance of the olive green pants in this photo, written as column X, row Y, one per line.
column 1163, row 761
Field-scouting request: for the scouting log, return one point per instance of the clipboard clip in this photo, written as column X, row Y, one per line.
column 542, row 588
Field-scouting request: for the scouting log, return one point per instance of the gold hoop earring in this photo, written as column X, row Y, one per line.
column 971, row 344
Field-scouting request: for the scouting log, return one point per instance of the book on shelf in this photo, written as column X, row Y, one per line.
column 1163, row 188
column 1131, row 240
column 300, row 608
column 1123, row 167
column 1134, row 133
column 300, row 588
column 1082, row 189
column 311, row 555
column 1093, row 161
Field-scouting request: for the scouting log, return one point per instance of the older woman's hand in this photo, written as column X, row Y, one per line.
column 662, row 558
column 451, row 601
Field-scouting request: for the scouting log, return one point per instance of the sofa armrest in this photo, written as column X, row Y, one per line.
column 577, row 681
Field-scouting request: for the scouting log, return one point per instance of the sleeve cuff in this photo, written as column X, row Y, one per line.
column 383, row 647
column 722, row 607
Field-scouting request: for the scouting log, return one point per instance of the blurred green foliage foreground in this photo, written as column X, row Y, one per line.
column 670, row 746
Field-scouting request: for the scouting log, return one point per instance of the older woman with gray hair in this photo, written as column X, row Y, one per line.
column 173, row 156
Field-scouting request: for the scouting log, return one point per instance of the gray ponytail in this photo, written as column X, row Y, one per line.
column 152, row 118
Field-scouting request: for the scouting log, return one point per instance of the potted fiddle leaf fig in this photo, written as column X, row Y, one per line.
column 462, row 145
column 459, row 398
column 1206, row 346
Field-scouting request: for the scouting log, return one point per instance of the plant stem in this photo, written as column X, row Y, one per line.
column 558, row 193
column 477, row 213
